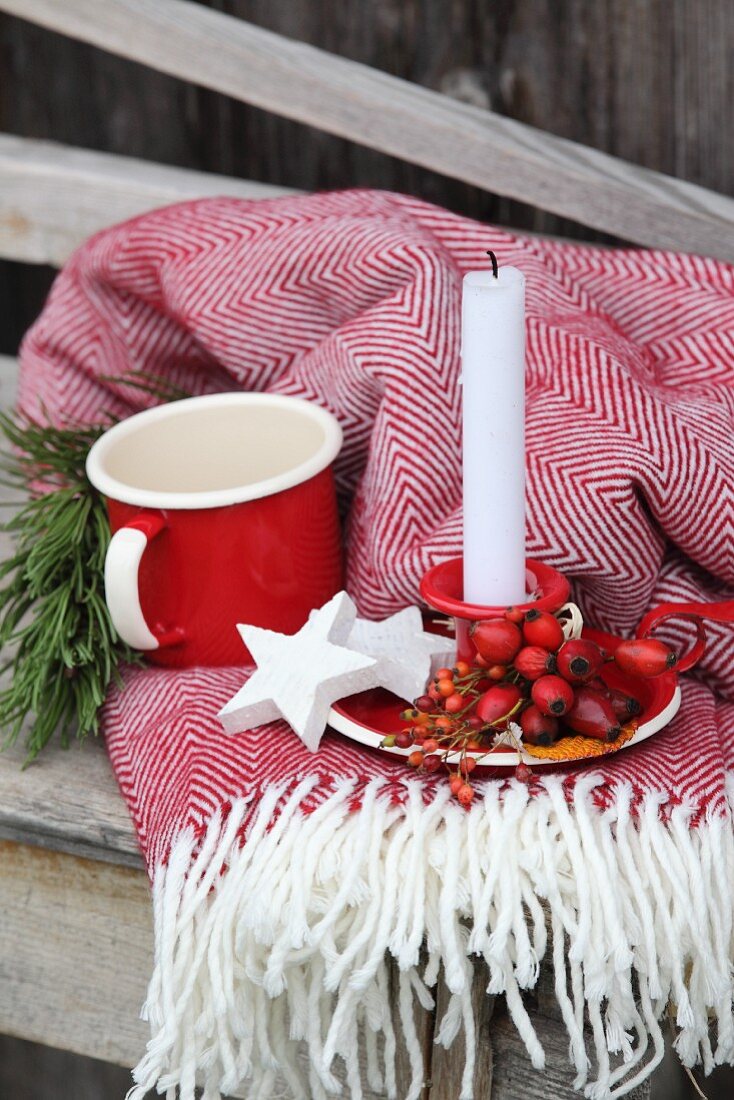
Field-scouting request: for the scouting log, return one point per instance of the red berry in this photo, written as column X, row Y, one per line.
column 542, row 628
column 415, row 759
column 432, row 763
column 455, row 703
column 462, row 669
column 538, row 728
column 446, row 688
column 497, row 640
column 474, row 722
column 644, row 657
column 434, row 694
column 445, row 674
column 624, row 706
column 498, row 702
column 593, row 715
column 445, row 725
column 465, row 794
column 579, row 660
column 514, row 614
column 468, row 764
column 424, row 703
column 496, row 672
column 533, row 661
column 430, row 745
column 473, row 746
column 552, row 695
column 456, row 783
column 404, row 739
column 523, row 773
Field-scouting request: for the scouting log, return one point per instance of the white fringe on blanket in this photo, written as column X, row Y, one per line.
column 263, row 948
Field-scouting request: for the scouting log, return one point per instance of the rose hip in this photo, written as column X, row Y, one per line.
column 552, row 695
column 593, row 715
column 498, row 702
column 538, row 728
column 496, row 640
column 543, row 629
column 624, row 706
column 455, row 703
column 514, row 614
column 533, row 661
column 644, row 657
column 579, row 660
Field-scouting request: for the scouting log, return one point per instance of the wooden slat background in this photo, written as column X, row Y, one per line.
column 397, row 117
column 648, row 81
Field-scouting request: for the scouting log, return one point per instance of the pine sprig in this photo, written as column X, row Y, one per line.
column 53, row 616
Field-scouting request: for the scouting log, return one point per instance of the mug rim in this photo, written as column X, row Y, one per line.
column 120, row 491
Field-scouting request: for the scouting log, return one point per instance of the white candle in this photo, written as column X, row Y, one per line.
column 493, row 375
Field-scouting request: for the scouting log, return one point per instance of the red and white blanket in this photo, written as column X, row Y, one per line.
column 281, row 880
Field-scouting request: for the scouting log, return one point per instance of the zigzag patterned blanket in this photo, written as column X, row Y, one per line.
column 281, row 880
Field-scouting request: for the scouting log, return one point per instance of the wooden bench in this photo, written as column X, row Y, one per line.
column 75, row 934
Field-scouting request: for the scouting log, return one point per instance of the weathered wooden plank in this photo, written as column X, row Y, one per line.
column 52, row 197
column 67, row 801
column 503, row 1070
column 394, row 116
column 447, row 1066
column 75, row 953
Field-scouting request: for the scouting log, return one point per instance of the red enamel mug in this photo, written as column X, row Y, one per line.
column 223, row 511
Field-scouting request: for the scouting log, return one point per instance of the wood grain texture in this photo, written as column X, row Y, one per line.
column 75, row 953
column 53, row 197
column 393, row 116
column 503, row 1070
column 67, row 801
column 447, row 1065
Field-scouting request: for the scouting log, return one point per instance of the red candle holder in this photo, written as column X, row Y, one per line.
column 371, row 716
column 443, row 585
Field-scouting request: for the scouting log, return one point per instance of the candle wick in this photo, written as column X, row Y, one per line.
column 493, row 258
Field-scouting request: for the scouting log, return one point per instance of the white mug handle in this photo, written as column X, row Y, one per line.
column 122, row 593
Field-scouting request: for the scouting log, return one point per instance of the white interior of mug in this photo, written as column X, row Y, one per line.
column 214, row 450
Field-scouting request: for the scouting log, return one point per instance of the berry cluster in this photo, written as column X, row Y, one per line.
column 527, row 681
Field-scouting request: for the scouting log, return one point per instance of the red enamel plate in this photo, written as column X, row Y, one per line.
column 370, row 715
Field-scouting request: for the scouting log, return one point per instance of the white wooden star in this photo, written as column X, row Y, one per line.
column 405, row 652
column 299, row 676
